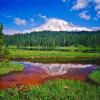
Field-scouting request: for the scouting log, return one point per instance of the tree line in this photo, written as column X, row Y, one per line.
column 1, row 40
column 48, row 39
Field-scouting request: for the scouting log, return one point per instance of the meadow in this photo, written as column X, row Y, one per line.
column 6, row 67
column 95, row 76
column 54, row 56
column 57, row 54
column 54, row 90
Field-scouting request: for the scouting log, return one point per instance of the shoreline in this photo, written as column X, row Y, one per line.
column 82, row 60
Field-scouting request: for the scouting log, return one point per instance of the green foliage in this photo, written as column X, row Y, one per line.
column 54, row 90
column 95, row 76
column 50, row 40
column 3, row 50
column 1, row 35
column 1, row 40
column 7, row 67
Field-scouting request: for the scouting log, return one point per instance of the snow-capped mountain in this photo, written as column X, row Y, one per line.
column 55, row 24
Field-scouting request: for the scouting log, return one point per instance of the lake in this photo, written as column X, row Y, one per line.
column 38, row 73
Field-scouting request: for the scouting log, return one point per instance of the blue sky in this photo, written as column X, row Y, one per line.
column 19, row 15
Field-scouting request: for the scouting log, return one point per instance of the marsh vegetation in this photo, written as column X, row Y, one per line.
column 49, row 47
column 57, row 89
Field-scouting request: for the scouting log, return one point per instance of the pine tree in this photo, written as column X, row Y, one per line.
column 1, row 39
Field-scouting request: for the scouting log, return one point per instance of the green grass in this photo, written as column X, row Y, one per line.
column 53, row 56
column 7, row 67
column 95, row 76
column 54, row 90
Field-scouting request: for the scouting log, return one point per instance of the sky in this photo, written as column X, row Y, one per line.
column 19, row 15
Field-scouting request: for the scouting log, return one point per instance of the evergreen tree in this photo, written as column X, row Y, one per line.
column 1, row 39
column 50, row 40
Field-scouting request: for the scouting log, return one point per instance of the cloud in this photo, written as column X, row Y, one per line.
column 80, row 4
column 83, row 4
column 97, row 2
column 96, row 28
column 97, row 8
column 98, row 14
column 11, row 31
column 84, row 15
column 20, row 22
column 43, row 17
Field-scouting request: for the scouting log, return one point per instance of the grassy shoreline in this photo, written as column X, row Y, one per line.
column 48, row 54
column 7, row 67
column 57, row 89
column 53, row 56
column 95, row 76
column 60, row 60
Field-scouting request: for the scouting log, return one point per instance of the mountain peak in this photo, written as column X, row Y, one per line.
column 56, row 20
column 55, row 24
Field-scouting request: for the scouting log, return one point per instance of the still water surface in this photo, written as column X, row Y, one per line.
column 37, row 73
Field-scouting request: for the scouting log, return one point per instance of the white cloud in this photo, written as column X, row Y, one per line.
column 84, row 4
column 80, row 4
column 19, row 21
column 84, row 15
column 11, row 31
column 43, row 17
column 97, row 8
column 97, row 2
column 98, row 14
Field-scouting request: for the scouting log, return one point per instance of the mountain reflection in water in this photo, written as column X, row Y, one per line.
column 37, row 73
column 59, row 69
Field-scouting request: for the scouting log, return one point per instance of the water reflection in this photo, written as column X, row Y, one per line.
column 37, row 73
column 59, row 69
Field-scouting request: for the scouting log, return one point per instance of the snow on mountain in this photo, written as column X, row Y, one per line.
column 52, row 24
column 55, row 24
